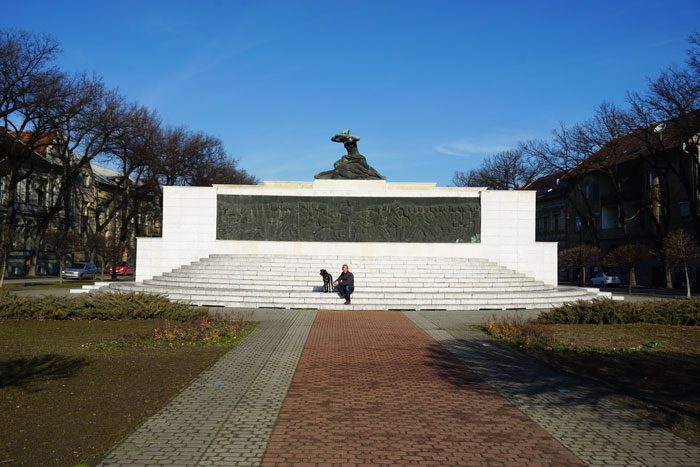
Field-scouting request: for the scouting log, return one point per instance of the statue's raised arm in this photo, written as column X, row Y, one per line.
column 348, row 140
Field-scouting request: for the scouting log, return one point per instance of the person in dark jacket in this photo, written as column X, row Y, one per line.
column 345, row 284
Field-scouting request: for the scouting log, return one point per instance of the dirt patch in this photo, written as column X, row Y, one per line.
column 63, row 402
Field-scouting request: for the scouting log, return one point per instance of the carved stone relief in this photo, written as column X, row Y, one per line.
column 348, row 219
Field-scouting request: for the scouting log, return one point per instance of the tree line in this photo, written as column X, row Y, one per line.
column 665, row 114
column 84, row 121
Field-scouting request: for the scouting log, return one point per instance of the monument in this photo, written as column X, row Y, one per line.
column 350, row 211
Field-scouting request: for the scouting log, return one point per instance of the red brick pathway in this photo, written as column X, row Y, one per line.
column 372, row 388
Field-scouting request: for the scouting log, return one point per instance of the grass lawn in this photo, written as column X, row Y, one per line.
column 659, row 380
column 67, row 284
column 63, row 402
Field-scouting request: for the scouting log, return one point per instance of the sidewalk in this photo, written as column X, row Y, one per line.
column 390, row 388
column 597, row 431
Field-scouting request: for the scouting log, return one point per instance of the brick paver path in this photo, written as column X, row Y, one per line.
column 373, row 388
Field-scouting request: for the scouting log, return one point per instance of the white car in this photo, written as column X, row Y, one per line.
column 603, row 278
column 80, row 271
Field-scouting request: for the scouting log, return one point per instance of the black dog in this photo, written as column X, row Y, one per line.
column 327, row 281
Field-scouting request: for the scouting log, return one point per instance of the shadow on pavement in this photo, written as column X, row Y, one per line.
column 575, row 383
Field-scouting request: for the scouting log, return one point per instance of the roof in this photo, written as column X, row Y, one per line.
column 98, row 169
column 104, row 175
column 18, row 146
column 548, row 185
column 42, row 144
column 644, row 142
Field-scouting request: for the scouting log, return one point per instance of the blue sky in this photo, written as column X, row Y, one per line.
column 431, row 87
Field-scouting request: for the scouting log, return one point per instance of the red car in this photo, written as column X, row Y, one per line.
column 125, row 268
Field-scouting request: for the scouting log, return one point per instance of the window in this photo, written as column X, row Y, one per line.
column 591, row 191
column 684, row 209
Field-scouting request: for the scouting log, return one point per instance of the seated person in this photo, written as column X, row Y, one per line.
column 345, row 284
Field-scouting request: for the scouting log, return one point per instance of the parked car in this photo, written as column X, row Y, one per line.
column 80, row 271
column 125, row 268
column 603, row 278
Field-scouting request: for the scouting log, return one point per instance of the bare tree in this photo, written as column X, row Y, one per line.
column 580, row 257
column 627, row 256
column 137, row 149
column 61, row 243
column 507, row 170
column 566, row 153
column 198, row 159
column 29, row 87
column 89, row 120
column 103, row 248
column 225, row 172
column 682, row 248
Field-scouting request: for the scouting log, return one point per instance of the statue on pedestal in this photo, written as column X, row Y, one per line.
column 353, row 165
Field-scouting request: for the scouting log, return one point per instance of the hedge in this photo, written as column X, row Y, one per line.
column 99, row 306
column 681, row 312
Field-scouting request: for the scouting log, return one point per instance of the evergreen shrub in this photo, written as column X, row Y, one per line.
column 680, row 312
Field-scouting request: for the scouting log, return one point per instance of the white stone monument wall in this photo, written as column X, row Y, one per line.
column 189, row 227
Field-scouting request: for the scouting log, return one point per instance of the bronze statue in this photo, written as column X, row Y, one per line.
column 353, row 165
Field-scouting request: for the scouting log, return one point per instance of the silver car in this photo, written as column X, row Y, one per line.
column 80, row 271
column 603, row 278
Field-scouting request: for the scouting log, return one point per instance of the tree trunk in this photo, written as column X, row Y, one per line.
column 8, row 227
column 583, row 276
column 687, row 279
column 3, row 268
column 633, row 277
column 668, row 272
column 34, row 258
column 102, row 269
column 61, row 267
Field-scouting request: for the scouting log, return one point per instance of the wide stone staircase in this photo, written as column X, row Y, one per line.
column 381, row 283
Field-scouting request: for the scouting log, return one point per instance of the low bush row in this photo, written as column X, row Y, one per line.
column 680, row 312
column 102, row 306
column 205, row 330
column 518, row 331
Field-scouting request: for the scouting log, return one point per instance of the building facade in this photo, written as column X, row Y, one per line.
column 94, row 204
column 634, row 191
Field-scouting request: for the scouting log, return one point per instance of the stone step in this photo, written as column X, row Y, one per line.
column 89, row 288
column 355, row 261
column 364, row 304
column 373, row 274
column 307, row 296
column 290, row 281
column 315, row 286
column 390, row 284
column 364, row 259
column 357, row 273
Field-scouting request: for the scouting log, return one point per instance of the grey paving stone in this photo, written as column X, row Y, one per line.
column 226, row 416
column 596, row 430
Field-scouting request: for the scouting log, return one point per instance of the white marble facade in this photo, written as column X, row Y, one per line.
column 507, row 227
